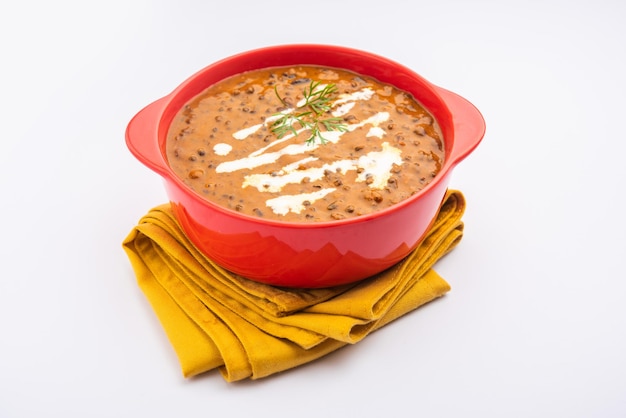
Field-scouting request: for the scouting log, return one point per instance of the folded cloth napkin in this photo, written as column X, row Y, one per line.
column 217, row 319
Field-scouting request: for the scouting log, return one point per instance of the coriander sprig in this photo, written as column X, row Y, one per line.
column 309, row 115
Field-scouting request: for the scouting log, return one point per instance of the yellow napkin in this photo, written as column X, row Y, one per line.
column 216, row 319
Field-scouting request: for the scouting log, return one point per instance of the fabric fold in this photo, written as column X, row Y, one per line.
column 217, row 319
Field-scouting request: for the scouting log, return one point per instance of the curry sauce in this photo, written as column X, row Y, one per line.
column 383, row 148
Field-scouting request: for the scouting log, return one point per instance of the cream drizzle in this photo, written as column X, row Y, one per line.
column 364, row 94
column 378, row 164
column 246, row 132
column 222, row 149
column 376, row 131
column 259, row 157
column 291, row 175
column 284, row 204
column 375, row 165
column 343, row 109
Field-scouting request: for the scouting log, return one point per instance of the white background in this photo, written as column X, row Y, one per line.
column 535, row 324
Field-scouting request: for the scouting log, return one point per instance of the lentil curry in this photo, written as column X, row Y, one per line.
column 222, row 145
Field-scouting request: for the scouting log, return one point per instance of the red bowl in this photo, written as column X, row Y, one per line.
column 297, row 254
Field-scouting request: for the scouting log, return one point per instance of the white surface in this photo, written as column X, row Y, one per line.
column 535, row 324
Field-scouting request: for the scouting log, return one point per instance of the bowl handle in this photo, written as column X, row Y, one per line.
column 469, row 125
column 142, row 136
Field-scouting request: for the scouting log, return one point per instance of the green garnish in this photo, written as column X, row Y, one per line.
column 310, row 114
